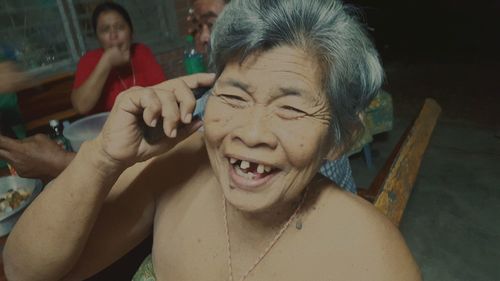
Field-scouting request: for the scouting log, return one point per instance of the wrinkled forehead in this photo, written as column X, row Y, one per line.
column 286, row 68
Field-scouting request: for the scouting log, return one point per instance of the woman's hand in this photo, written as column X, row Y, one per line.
column 117, row 56
column 122, row 142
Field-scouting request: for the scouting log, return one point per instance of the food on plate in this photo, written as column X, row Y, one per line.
column 12, row 199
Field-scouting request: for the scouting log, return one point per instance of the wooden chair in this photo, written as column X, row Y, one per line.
column 392, row 186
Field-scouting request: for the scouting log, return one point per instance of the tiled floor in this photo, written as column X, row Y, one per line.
column 452, row 221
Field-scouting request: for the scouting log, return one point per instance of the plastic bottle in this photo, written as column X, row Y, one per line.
column 57, row 134
column 193, row 61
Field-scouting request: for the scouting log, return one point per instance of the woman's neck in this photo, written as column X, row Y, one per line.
column 256, row 227
column 124, row 70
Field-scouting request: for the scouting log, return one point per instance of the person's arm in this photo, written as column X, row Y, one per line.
column 11, row 77
column 35, row 157
column 62, row 234
column 86, row 96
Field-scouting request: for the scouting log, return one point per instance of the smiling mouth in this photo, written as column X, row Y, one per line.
column 250, row 175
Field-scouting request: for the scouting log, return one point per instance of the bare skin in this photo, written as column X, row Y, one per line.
column 11, row 77
column 111, row 207
column 328, row 246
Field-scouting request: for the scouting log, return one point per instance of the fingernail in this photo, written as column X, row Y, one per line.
column 188, row 118
column 154, row 122
column 173, row 134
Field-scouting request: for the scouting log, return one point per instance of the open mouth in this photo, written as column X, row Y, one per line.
column 248, row 174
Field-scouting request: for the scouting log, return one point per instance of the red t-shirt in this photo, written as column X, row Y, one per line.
column 146, row 70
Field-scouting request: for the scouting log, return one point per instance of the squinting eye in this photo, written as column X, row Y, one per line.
column 233, row 100
column 286, row 107
column 232, row 97
column 289, row 112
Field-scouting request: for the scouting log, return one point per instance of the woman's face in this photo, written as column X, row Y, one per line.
column 113, row 30
column 266, row 127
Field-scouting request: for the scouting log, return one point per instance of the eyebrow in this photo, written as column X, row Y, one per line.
column 236, row 83
column 283, row 91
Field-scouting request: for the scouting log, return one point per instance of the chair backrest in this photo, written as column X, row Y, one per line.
column 392, row 186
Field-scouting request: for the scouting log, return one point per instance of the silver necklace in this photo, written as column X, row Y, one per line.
column 268, row 248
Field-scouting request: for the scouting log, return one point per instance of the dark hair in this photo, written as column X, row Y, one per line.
column 107, row 7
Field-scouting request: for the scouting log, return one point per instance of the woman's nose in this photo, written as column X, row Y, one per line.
column 254, row 130
column 113, row 34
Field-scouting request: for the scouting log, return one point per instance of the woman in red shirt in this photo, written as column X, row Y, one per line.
column 104, row 73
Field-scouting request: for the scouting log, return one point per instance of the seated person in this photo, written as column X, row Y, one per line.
column 202, row 18
column 241, row 199
column 104, row 73
column 101, row 75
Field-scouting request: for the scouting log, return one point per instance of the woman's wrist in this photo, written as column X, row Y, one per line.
column 101, row 161
column 105, row 62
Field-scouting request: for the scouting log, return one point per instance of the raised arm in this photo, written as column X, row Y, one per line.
column 85, row 97
column 92, row 213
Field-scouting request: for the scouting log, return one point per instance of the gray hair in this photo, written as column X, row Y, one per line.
column 352, row 73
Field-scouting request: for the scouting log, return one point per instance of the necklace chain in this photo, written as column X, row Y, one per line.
column 133, row 78
column 267, row 249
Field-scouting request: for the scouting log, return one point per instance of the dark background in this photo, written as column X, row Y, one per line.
column 440, row 30
column 448, row 50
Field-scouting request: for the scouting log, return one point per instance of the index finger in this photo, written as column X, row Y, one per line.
column 7, row 143
column 199, row 80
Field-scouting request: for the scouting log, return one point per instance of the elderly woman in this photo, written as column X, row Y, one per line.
column 243, row 199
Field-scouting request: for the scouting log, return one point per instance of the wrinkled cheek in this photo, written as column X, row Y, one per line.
column 303, row 143
column 217, row 123
column 220, row 120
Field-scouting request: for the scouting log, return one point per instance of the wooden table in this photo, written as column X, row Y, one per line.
column 45, row 99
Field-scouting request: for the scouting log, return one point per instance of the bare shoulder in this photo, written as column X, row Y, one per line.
column 367, row 238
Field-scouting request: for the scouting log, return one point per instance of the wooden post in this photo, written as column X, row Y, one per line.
column 399, row 182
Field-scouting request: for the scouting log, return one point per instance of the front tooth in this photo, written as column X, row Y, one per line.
column 267, row 169
column 260, row 169
column 232, row 160
column 245, row 164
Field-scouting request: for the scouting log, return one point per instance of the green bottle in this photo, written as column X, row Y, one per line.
column 193, row 61
column 57, row 134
